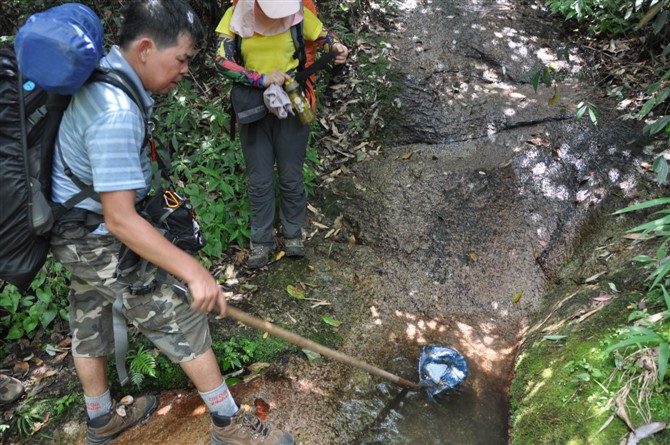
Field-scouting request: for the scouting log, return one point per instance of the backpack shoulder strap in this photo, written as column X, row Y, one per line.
column 299, row 42
column 238, row 49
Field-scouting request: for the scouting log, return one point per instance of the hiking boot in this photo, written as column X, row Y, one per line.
column 294, row 247
column 127, row 413
column 10, row 389
column 259, row 256
column 246, row 429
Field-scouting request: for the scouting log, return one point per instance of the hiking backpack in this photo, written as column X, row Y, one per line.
column 55, row 53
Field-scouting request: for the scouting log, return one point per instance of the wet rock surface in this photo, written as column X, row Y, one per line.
column 481, row 194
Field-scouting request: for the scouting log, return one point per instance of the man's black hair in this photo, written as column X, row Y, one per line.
column 164, row 21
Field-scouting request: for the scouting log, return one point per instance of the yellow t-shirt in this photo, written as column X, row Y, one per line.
column 265, row 54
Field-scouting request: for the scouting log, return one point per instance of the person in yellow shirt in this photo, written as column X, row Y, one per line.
column 265, row 57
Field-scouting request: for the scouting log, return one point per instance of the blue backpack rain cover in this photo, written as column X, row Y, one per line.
column 59, row 48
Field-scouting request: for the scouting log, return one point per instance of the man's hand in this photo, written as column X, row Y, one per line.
column 206, row 295
column 342, row 53
column 276, row 77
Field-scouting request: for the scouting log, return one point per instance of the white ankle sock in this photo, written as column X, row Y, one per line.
column 220, row 401
column 99, row 405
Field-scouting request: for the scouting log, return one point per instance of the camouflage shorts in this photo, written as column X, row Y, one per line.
column 164, row 316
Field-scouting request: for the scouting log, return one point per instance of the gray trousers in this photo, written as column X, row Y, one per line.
column 284, row 142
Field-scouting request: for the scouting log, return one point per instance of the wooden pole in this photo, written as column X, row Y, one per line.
column 303, row 342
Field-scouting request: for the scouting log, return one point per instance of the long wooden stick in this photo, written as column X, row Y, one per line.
column 303, row 342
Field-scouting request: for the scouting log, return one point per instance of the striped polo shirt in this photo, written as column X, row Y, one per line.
column 101, row 137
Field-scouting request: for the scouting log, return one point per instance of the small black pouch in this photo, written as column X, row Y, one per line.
column 248, row 103
column 174, row 217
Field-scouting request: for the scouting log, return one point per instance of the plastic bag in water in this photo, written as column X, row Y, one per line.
column 441, row 369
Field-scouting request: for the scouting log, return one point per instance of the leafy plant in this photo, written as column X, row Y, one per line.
column 591, row 109
column 235, row 353
column 658, row 227
column 652, row 335
column 46, row 302
column 610, row 16
column 640, row 336
column 142, row 365
column 27, row 414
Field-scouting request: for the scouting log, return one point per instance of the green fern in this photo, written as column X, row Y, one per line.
column 142, row 365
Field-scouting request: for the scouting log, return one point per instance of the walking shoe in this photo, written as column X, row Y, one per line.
column 10, row 389
column 246, row 429
column 259, row 256
column 293, row 247
column 129, row 412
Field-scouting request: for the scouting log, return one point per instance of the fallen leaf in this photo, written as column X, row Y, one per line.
column 645, row 431
column 311, row 355
column 554, row 337
column 230, row 272
column 331, row 321
column 621, row 412
column 555, row 99
column 647, row 166
column 473, row 255
column 636, row 236
column 516, row 297
column 602, row 298
column 262, row 408
column 593, row 278
column 539, row 141
column 295, row 292
column 60, row 357
column 53, row 350
column 20, row 368
column 258, row 366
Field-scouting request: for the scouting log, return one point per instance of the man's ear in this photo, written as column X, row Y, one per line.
column 143, row 47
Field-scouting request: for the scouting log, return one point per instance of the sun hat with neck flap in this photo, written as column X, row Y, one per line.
column 277, row 9
column 282, row 14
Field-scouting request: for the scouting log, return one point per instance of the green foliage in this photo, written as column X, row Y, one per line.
column 653, row 335
column 45, row 302
column 234, row 353
column 208, row 164
column 31, row 411
column 26, row 416
column 643, row 337
column 142, row 365
column 609, row 16
column 591, row 109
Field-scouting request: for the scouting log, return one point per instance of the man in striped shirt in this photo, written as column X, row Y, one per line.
column 101, row 140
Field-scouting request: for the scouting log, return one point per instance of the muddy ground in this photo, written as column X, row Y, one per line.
column 449, row 236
